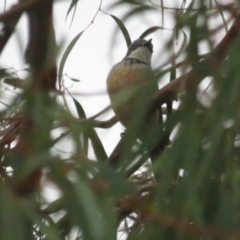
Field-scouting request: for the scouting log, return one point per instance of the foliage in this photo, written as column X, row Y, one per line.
column 110, row 197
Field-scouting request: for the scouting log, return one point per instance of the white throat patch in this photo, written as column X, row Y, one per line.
column 142, row 54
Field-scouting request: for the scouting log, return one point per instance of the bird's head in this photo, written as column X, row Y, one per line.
column 141, row 49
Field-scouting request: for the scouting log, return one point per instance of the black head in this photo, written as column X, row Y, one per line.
column 140, row 43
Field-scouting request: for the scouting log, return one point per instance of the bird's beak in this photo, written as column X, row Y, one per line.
column 150, row 40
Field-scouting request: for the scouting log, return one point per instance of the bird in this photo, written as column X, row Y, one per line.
column 130, row 85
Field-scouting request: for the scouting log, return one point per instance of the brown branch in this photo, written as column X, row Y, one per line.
column 110, row 122
column 62, row 135
column 30, row 183
column 40, row 53
column 130, row 170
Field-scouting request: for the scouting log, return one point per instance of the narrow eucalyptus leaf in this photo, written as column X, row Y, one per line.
column 74, row 79
column 90, row 211
column 79, row 108
column 66, row 54
column 149, row 31
column 123, row 29
column 72, row 5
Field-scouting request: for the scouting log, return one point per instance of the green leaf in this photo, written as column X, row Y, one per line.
column 98, row 147
column 173, row 74
column 72, row 5
column 91, row 216
column 82, row 115
column 149, row 31
column 80, row 110
column 91, row 133
column 54, row 206
column 123, row 29
column 74, row 79
column 67, row 52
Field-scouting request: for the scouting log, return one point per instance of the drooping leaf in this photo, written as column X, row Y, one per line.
column 91, row 217
column 184, row 43
column 98, row 147
column 73, row 79
column 72, row 5
column 149, row 31
column 123, row 29
column 54, row 206
column 82, row 115
column 66, row 54
column 79, row 108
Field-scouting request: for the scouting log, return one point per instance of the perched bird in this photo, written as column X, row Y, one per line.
column 130, row 85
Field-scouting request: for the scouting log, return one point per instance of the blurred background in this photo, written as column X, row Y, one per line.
column 63, row 174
